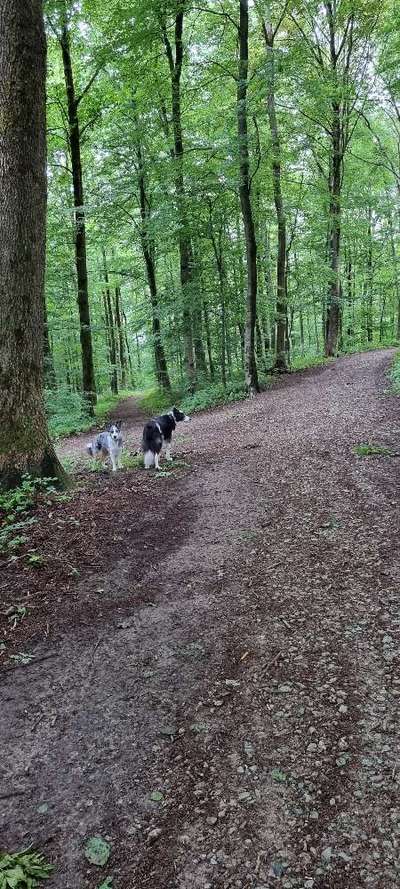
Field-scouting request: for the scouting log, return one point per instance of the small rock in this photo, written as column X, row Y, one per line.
column 154, row 834
column 326, row 854
column 212, row 820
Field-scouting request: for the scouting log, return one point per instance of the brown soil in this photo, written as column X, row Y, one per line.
column 227, row 636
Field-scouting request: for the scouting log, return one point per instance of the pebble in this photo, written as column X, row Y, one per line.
column 154, row 834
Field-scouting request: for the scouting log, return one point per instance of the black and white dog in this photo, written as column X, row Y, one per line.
column 108, row 444
column 158, row 431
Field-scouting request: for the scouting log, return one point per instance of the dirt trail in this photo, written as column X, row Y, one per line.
column 133, row 419
column 217, row 691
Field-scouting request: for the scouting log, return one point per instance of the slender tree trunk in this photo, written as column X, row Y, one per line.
column 24, row 441
column 128, row 352
column 121, row 343
column 395, row 276
column 111, row 328
column 185, row 246
column 160, row 361
column 200, row 355
column 48, row 363
column 208, row 340
column 281, row 278
column 251, row 376
column 88, row 374
column 370, row 304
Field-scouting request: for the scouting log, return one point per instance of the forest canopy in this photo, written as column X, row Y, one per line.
column 223, row 187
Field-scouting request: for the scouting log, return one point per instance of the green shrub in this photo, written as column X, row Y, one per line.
column 395, row 374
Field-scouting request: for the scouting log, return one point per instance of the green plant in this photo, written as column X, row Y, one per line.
column 35, row 559
column 371, row 450
column 15, row 614
column 23, row 870
column 395, row 375
column 14, row 508
column 21, row 658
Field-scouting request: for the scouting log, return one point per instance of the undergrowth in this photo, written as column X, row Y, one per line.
column 67, row 412
column 23, row 870
column 371, row 450
column 395, row 375
column 15, row 507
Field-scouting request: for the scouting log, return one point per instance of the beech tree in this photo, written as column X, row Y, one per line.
column 24, row 441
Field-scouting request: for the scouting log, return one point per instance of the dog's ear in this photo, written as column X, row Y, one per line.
column 118, row 424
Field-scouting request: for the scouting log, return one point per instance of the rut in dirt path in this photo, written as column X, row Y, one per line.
column 219, row 697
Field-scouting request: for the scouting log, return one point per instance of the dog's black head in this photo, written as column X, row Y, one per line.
column 179, row 416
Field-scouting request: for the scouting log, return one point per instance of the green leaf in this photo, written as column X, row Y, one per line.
column 156, row 796
column 107, row 883
column 97, row 851
column 277, row 775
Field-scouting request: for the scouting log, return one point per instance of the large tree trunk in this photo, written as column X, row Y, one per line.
column 250, row 365
column 24, row 440
column 88, row 375
column 185, row 246
column 281, row 277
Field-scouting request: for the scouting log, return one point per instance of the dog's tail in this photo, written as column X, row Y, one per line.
column 148, row 459
column 89, row 449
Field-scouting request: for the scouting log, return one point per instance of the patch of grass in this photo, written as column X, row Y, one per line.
column 371, row 450
column 23, row 870
column 302, row 362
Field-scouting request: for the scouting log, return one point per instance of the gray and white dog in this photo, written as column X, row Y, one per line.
column 108, row 444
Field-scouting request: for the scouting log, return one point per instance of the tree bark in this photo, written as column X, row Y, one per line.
column 251, row 376
column 175, row 60
column 121, row 343
column 160, row 361
column 110, row 328
column 24, row 441
column 281, row 278
column 88, row 374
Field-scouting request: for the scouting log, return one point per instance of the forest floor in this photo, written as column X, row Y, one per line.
column 213, row 679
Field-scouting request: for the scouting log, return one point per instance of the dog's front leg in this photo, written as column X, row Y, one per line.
column 157, row 461
column 114, row 462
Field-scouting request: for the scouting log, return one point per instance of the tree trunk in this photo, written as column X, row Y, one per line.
column 88, row 375
column 121, row 343
column 185, row 246
column 110, row 329
column 208, row 340
column 281, row 295
column 160, row 361
column 370, row 305
column 48, row 364
column 24, row 441
column 200, row 355
column 251, row 376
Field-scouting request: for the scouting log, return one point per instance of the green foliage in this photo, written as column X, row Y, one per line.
column 97, row 851
column 395, row 374
column 209, row 397
column 14, row 508
column 23, row 870
column 66, row 412
column 371, row 450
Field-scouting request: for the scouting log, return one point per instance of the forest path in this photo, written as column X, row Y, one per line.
column 128, row 411
column 215, row 685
